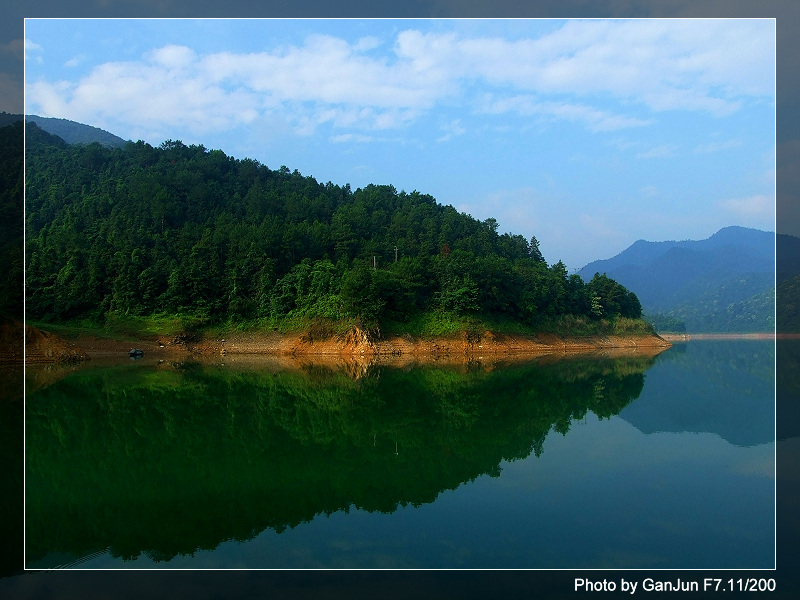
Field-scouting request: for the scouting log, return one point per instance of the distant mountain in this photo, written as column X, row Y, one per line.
column 73, row 132
column 721, row 284
column 8, row 118
column 787, row 313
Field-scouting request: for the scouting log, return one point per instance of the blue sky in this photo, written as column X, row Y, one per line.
column 588, row 134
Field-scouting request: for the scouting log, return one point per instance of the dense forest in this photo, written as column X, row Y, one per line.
column 178, row 229
column 713, row 312
column 11, row 207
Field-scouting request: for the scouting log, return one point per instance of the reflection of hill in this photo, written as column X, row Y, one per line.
column 787, row 400
column 169, row 461
column 11, row 446
column 683, row 391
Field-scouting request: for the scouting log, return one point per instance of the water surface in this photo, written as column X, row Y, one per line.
column 630, row 462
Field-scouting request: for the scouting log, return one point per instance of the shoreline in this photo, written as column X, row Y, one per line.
column 348, row 354
column 489, row 344
column 45, row 347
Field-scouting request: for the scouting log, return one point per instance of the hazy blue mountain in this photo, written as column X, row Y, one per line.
column 73, row 132
column 721, row 284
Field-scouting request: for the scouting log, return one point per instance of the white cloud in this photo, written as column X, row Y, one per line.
column 351, row 137
column 47, row 99
column 367, row 43
column 75, row 61
column 31, row 45
column 325, row 69
column 451, row 130
column 759, row 206
column 173, row 57
column 622, row 144
column 32, row 50
column 713, row 66
column 704, row 65
column 663, row 151
column 717, row 146
column 593, row 119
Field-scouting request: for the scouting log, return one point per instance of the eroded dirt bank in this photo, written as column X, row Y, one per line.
column 42, row 346
column 39, row 346
column 353, row 354
column 358, row 343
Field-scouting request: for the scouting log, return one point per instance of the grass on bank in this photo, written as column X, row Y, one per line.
column 124, row 327
column 431, row 324
column 442, row 324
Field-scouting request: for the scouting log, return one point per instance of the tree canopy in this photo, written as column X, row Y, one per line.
column 183, row 229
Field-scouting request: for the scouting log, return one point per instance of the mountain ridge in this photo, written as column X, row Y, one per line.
column 74, row 132
column 717, row 284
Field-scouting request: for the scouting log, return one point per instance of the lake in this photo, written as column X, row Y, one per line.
column 632, row 461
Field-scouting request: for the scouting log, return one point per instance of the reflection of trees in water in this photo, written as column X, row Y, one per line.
column 788, row 366
column 11, row 454
column 168, row 462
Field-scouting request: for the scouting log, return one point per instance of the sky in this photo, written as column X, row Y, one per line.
column 588, row 134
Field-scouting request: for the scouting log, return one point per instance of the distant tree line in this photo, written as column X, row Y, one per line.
column 710, row 313
column 181, row 229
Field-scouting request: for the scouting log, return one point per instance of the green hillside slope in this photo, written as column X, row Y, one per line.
column 182, row 230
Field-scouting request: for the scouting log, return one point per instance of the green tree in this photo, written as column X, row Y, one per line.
column 361, row 294
column 534, row 252
column 613, row 298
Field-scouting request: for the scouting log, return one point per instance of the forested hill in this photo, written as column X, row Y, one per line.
column 183, row 229
column 725, row 283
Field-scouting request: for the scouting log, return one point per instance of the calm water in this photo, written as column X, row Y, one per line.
column 637, row 462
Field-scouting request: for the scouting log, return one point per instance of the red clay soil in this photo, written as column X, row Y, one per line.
column 42, row 346
column 356, row 342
